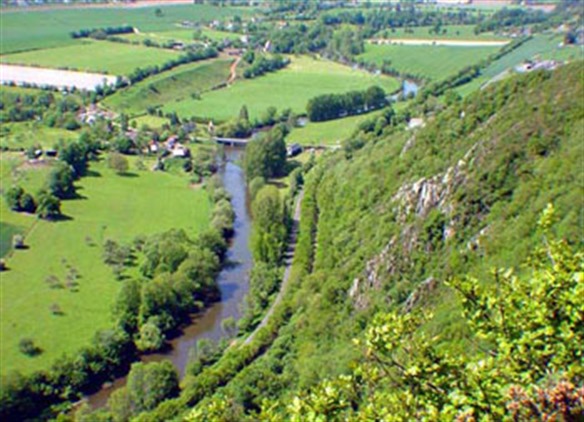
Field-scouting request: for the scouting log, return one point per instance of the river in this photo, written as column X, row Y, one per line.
column 233, row 283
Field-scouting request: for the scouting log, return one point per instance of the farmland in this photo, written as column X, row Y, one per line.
column 97, row 56
column 541, row 45
column 23, row 135
column 110, row 207
column 185, row 35
column 452, row 32
column 175, row 85
column 428, row 62
column 50, row 28
column 291, row 87
column 326, row 133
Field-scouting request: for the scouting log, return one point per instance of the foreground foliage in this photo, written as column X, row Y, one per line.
column 531, row 368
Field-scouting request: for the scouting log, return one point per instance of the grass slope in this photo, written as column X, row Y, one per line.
column 175, row 85
column 291, row 87
column 112, row 207
column 96, row 56
column 503, row 184
column 431, row 62
column 50, row 28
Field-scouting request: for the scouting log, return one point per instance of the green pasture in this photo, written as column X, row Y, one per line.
column 435, row 62
column 450, row 32
column 23, row 135
column 541, row 46
column 168, row 87
column 185, row 35
column 215, row 35
column 328, row 133
column 110, row 207
column 96, row 56
column 153, row 122
column 27, row 30
column 291, row 87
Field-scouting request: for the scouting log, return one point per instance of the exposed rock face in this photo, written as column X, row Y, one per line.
column 422, row 291
column 418, row 198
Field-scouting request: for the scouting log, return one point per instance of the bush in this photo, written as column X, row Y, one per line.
column 27, row 346
column 118, row 162
column 18, row 241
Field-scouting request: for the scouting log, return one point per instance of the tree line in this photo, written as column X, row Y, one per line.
column 102, row 33
column 332, row 106
column 262, row 64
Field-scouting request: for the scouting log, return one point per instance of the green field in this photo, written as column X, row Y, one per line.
column 453, row 32
column 426, row 61
column 23, row 135
column 153, row 122
column 291, row 87
column 175, row 85
column 540, row 46
column 111, row 207
column 97, row 56
column 28, row 30
column 326, row 133
column 185, row 35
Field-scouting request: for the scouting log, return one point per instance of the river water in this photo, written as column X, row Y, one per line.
column 233, row 283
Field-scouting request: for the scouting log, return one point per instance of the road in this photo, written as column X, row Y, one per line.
column 289, row 257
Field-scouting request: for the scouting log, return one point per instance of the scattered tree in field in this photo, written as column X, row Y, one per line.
column 27, row 203
column 118, row 162
column 75, row 155
column 60, row 182
column 49, row 206
column 18, row 241
column 27, row 346
column 56, row 309
column 243, row 113
column 13, row 196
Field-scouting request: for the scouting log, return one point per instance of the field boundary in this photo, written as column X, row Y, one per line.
column 437, row 42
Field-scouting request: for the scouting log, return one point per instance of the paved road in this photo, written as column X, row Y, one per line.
column 289, row 257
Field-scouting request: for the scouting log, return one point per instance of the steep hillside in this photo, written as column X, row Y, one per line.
column 394, row 216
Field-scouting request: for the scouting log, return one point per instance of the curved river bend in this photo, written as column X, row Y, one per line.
column 233, row 282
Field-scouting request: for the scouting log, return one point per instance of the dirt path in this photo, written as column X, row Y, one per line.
column 233, row 71
column 289, row 257
column 430, row 41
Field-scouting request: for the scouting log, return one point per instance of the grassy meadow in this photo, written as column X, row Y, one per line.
column 434, row 62
column 171, row 86
column 110, row 207
column 185, row 35
column 96, row 56
column 30, row 30
column 327, row 133
column 23, row 135
column 451, row 32
column 291, row 87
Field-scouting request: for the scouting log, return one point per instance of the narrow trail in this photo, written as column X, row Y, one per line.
column 233, row 71
column 288, row 258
